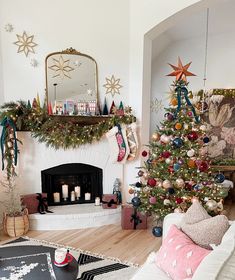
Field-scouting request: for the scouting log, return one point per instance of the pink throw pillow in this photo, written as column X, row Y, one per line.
column 178, row 256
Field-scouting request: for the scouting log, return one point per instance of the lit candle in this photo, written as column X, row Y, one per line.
column 97, row 201
column 72, row 196
column 87, row 196
column 56, row 196
column 65, row 191
column 77, row 190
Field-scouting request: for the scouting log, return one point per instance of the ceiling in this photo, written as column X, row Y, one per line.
column 221, row 20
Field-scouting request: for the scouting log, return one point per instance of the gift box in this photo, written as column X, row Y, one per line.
column 31, row 202
column 109, row 201
column 128, row 218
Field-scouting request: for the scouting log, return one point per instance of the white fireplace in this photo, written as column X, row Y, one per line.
column 35, row 157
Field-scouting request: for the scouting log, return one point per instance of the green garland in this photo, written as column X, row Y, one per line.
column 57, row 131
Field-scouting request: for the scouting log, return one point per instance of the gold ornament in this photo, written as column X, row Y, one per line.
column 211, row 204
column 180, row 183
column 155, row 136
column 178, row 126
column 112, row 86
column 25, row 43
column 61, row 67
column 166, row 184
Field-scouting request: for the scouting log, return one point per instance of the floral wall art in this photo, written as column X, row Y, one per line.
column 221, row 118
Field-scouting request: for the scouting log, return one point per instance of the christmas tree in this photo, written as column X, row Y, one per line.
column 177, row 169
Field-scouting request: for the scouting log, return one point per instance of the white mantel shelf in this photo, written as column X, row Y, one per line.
column 75, row 217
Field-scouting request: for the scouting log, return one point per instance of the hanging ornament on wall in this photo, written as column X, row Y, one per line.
column 156, row 105
column 112, row 85
column 9, row 27
column 34, row 62
column 25, row 43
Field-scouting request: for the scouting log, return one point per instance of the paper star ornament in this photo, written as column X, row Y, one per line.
column 112, row 85
column 181, row 72
column 25, row 43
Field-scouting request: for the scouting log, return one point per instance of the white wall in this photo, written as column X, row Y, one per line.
column 1, row 76
column 220, row 72
column 98, row 28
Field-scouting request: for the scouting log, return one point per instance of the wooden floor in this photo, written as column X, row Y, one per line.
column 127, row 245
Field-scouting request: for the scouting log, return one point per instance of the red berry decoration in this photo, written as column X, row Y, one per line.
column 144, row 153
column 166, row 154
column 152, row 182
column 178, row 200
column 192, row 136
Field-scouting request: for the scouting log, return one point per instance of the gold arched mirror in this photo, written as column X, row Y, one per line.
column 71, row 83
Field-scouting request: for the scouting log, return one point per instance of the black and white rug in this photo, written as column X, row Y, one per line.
column 30, row 259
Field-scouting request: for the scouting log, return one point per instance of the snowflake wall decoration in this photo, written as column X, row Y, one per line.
column 61, row 68
column 156, row 105
column 9, row 27
column 112, row 86
column 25, row 43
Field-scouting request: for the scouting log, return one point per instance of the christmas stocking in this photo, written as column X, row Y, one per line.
column 122, row 143
column 113, row 145
column 132, row 140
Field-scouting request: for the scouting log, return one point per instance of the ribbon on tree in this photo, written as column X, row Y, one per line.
column 8, row 123
column 179, row 90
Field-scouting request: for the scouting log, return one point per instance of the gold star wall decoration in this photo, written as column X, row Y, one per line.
column 156, row 105
column 25, row 43
column 112, row 86
column 61, row 68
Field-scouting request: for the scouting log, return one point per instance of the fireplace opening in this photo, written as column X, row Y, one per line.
column 72, row 183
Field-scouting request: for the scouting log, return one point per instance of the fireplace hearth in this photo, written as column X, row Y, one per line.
column 89, row 178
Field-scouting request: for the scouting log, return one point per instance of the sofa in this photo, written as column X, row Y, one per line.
column 219, row 264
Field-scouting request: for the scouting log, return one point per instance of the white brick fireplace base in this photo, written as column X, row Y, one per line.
column 75, row 217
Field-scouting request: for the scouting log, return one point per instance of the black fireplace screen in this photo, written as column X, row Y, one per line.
column 72, row 183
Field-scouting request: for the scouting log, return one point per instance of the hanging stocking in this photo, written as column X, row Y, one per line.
column 113, row 145
column 132, row 141
column 122, row 144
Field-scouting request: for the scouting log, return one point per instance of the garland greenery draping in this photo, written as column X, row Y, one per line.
column 56, row 131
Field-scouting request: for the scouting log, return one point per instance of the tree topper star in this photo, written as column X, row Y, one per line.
column 181, row 72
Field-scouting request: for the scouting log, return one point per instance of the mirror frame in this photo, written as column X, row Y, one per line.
column 71, row 51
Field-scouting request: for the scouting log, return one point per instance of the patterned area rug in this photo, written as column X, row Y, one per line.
column 30, row 259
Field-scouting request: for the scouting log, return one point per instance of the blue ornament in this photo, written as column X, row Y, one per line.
column 206, row 139
column 157, row 231
column 219, row 178
column 171, row 191
column 176, row 166
column 196, row 187
column 136, row 201
column 177, row 142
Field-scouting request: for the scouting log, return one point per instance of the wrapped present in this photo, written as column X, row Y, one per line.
column 31, row 202
column 109, row 201
column 132, row 219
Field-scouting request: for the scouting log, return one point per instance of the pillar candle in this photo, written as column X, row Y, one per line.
column 72, row 196
column 56, row 196
column 87, row 196
column 77, row 190
column 65, row 191
column 97, row 201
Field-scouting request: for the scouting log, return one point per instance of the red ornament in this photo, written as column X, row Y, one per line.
column 166, row 154
column 204, row 166
column 192, row 136
column 178, row 200
column 144, row 153
column 152, row 182
column 171, row 169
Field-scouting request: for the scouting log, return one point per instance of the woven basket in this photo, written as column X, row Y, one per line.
column 17, row 225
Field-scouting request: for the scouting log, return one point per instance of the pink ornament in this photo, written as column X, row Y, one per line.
column 178, row 210
column 194, row 199
column 190, row 114
column 152, row 200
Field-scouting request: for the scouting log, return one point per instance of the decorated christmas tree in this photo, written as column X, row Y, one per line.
column 177, row 169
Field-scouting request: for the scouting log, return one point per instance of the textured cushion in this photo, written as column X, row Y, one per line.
column 179, row 257
column 204, row 232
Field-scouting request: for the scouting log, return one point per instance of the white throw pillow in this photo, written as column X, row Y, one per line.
column 219, row 264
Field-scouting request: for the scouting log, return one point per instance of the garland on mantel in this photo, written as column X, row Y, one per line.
column 56, row 131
